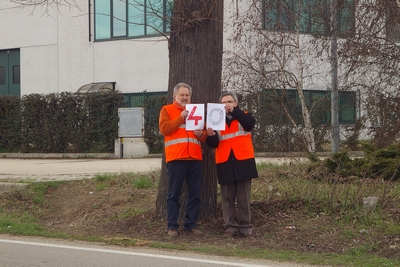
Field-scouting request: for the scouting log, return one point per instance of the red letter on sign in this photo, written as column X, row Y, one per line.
column 194, row 118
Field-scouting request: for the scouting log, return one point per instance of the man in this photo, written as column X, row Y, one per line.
column 183, row 157
column 236, row 166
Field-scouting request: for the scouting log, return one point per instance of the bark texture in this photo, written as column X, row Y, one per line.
column 195, row 58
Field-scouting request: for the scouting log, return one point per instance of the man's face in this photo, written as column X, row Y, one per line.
column 182, row 96
column 229, row 103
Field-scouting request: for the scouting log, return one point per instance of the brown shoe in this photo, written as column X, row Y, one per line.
column 248, row 236
column 195, row 232
column 228, row 234
column 173, row 233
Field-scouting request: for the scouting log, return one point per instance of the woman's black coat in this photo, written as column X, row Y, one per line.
column 233, row 169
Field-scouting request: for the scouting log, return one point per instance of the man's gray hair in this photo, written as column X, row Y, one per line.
column 179, row 85
column 232, row 94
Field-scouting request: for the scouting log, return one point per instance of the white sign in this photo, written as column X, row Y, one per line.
column 216, row 116
column 195, row 118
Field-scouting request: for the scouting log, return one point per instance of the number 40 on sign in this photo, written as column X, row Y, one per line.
column 215, row 116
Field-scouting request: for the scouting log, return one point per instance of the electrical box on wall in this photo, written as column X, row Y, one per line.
column 130, row 142
column 131, row 122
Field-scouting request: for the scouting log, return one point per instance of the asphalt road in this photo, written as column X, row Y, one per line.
column 33, row 251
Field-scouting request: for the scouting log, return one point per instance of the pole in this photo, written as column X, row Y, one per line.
column 334, row 79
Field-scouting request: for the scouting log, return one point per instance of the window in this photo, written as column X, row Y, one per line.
column 319, row 100
column 131, row 18
column 347, row 107
column 308, row 16
column 2, row 76
column 16, row 74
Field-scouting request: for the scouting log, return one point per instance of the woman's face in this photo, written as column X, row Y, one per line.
column 229, row 103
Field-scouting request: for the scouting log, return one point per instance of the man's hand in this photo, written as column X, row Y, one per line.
column 184, row 113
column 198, row 133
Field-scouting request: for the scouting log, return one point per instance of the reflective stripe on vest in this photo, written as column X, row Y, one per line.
column 232, row 135
column 182, row 140
column 181, row 144
column 239, row 141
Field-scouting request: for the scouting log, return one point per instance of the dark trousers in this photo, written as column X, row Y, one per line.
column 237, row 193
column 178, row 172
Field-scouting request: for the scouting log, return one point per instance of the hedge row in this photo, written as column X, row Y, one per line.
column 59, row 122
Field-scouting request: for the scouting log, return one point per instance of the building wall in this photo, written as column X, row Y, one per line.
column 57, row 56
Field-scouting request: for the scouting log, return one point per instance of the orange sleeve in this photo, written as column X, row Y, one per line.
column 167, row 125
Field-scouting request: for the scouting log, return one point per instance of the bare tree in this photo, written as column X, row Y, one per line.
column 44, row 2
column 47, row 4
column 195, row 57
column 276, row 60
column 289, row 49
column 370, row 63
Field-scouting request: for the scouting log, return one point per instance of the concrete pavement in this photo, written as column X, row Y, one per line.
column 69, row 169
column 44, row 169
column 17, row 172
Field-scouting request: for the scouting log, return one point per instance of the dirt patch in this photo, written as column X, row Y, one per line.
column 78, row 208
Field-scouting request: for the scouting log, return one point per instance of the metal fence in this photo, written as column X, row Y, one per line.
column 133, row 100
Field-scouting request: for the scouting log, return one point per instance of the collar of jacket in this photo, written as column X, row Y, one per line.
column 177, row 105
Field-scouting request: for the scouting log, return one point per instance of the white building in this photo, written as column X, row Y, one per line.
column 58, row 48
column 57, row 51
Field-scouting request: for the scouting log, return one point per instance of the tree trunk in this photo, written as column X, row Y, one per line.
column 195, row 58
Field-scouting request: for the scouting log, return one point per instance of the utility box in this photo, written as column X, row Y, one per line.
column 130, row 142
column 131, row 122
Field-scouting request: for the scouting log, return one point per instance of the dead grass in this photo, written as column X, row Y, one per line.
column 80, row 208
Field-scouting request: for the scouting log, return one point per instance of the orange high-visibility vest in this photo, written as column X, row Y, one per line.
column 181, row 144
column 234, row 138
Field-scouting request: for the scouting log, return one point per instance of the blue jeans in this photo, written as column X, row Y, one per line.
column 178, row 172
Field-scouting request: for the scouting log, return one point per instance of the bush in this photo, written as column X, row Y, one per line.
column 59, row 122
column 381, row 163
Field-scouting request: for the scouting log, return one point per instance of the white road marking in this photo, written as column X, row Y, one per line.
column 132, row 253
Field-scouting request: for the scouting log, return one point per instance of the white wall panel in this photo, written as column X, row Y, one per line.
column 25, row 27
column 75, row 51
column 136, row 65
column 39, row 72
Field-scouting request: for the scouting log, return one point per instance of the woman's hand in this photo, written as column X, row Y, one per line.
column 210, row 132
